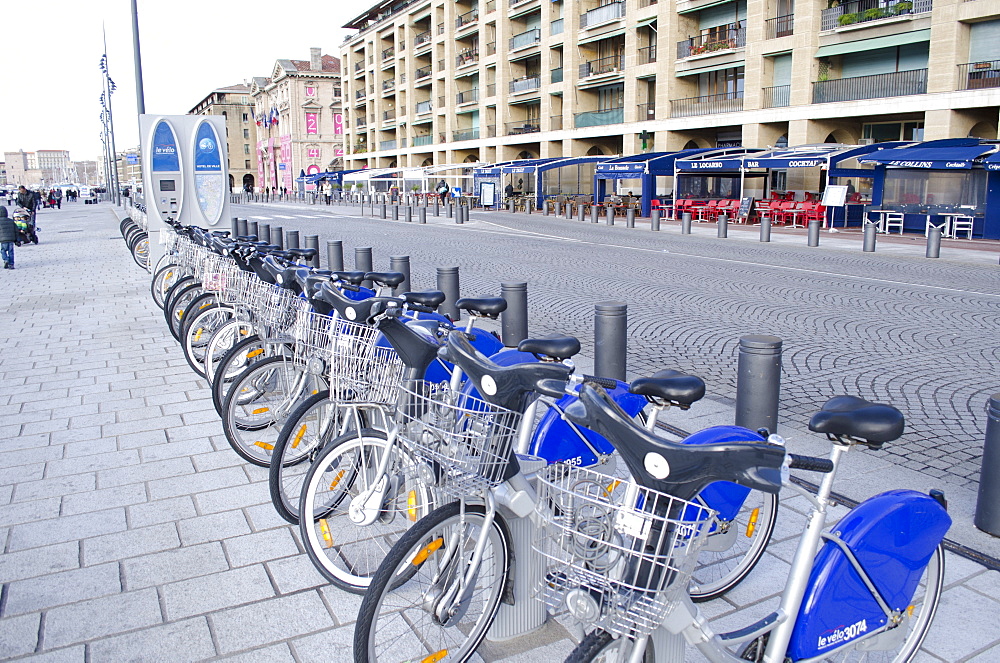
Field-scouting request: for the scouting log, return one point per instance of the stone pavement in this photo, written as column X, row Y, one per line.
column 130, row 531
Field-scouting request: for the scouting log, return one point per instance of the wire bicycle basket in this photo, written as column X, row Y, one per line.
column 467, row 441
column 618, row 554
column 364, row 369
column 311, row 333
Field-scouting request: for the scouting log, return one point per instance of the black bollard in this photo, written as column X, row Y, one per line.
column 581, row 213
column 595, row 211
column 292, row 239
column 422, row 215
column 253, row 228
column 335, row 255
column 459, row 215
column 514, row 321
column 686, row 223
column 610, row 334
column 609, row 216
column 723, row 224
column 235, row 227
column 264, row 231
column 447, row 282
column 758, row 382
column 241, row 229
column 630, row 217
column 529, row 205
column 933, row 242
column 278, row 236
column 409, row 214
column 813, row 231
column 765, row 229
column 654, row 220
column 870, row 230
column 395, row 212
column 451, row 209
column 569, row 211
column 312, row 242
column 437, row 207
column 363, row 262
column 401, row 264
column 988, row 502
column 382, row 211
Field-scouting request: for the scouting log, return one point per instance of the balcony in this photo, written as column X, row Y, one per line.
column 896, row 84
column 388, row 54
column 529, row 126
column 864, row 11
column 360, row 123
column 557, row 27
column 419, row 141
column 599, row 118
column 358, row 66
column 727, row 102
column 777, row 96
column 423, row 72
column 608, row 65
column 389, row 115
column 609, row 12
column 722, row 38
column 359, row 95
column 525, row 39
column 779, row 26
column 388, row 86
column 979, row 75
column 468, row 96
column 526, row 84
column 555, row 122
column 422, row 38
column 468, row 18
column 467, row 57
column 440, row 28
column 646, row 111
column 360, row 148
column 423, row 107
column 465, row 134
column 557, row 75
column 647, row 55
column 514, row 3
column 384, row 145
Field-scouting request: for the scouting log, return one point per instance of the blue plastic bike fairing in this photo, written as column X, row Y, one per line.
column 893, row 536
column 725, row 497
column 485, row 342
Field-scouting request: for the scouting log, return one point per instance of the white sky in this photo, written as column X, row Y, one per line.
column 51, row 49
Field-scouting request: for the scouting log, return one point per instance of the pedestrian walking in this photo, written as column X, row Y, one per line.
column 442, row 190
column 58, row 195
column 8, row 235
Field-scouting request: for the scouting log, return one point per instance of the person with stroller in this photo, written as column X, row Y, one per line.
column 8, row 235
column 26, row 199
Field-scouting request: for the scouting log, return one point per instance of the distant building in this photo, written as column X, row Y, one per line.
column 234, row 104
column 19, row 168
column 55, row 166
column 299, row 118
column 129, row 165
column 3, row 174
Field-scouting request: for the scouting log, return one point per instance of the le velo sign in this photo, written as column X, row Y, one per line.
column 209, row 177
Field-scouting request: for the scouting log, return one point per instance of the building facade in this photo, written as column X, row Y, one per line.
column 55, row 165
column 300, row 128
column 450, row 81
column 235, row 104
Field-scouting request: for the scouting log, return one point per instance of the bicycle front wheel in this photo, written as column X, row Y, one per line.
column 601, row 647
column 345, row 551
column 232, row 365
column 418, row 607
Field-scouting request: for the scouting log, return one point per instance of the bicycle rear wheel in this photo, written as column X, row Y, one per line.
column 601, row 647
column 246, row 352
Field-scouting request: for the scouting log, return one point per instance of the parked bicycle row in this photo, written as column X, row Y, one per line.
column 134, row 232
column 471, row 491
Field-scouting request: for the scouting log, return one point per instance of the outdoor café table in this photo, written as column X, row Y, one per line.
column 880, row 223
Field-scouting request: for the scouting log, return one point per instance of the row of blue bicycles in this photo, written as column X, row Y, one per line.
column 472, row 492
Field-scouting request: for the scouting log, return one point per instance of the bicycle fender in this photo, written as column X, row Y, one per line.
column 725, row 497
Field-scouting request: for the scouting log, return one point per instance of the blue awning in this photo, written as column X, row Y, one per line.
column 946, row 155
column 992, row 161
column 654, row 163
column 719, row 160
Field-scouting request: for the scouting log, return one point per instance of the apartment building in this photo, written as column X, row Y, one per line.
column 451, row 81
column 233, row 103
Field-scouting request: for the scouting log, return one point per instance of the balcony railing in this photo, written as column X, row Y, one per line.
column 422, row 38
column 725, row 37
column 469, row 56
column 423, row 140
column 358, row 66
column 557, row 27
column 491, row 90
column 526, row 84
column 876, row 86
column 514, row 3
column 423, row 72
column 389, row 115
column 468, row 96
column 467, row 18
column 777, row 96
column 359, row 95
column 360, row 148
column 614, row 63
column 863, row 11
column 608, row 12
column 555, row 122
column 557, row 75
column 646, row 111
column 466, row 134
column 387, row 145
column 598, row 118
column 647, row 55
column 528, row 126
column 779, row 26
column 979, row 75
column 727, row 102
column 423, row 107
column 525, row 39
column 360, row 123
column 388, row 53
column 388, row 85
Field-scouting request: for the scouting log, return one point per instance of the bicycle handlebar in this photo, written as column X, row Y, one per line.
column 810, row 463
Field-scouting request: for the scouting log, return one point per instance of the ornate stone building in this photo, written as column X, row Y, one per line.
column 234, row 104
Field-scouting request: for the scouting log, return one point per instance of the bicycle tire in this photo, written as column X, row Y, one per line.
column 420, row 540
column 179, row 283
column 601, row 647
column 162, row 281
column 344, row 552
column 179, row 307
column 200, row 329
column 198, row 304
column 222, row 341
column 232, row 365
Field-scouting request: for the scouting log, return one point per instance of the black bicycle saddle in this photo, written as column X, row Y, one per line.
column 849, row 415
column 428, row 298
column 671, row 386
column 387, row 279
column 558, row 348
column 487, row 307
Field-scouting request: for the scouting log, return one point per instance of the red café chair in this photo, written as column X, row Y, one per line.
column 681, row 206
column 707, row 211
column 815, row 212
column 780, row 212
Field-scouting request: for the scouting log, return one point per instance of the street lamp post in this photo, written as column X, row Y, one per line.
column 109, row 88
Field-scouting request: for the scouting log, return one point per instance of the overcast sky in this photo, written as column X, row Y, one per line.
column 51, row 50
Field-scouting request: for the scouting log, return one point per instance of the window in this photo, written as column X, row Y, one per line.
column 610, row 97
column 728, row 82
column 246, row 148
column 246, row 164
column 246, row 133
column 889, row 131
column 246, row 117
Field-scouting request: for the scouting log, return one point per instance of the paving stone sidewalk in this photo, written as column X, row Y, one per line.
column 130, row 531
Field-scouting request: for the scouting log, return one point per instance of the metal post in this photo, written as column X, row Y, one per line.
column 609, row 216
column 813, row 231
column 451, row 209
column 988, row 502
column 594, row 213
column 686, row 223
column 236, row 227
column 253, row 228
column 569, row 211
column 264, row 231
column 335, row 255
column 312, row 242
column 382, row 211
column 529, row 205
column 409, row 214
column 242, row 229
column 630, row 218
column 514, row 321
column 422, row 215
column 934, row 242
column 654, row 220
column 437, row 207
column 581, row 213
column 610, row 334
column 459, row 215
column 395, row 212
column 870, row 230
column 765, row 229
column 363, row 262
column 510, row 206
column 278, row 236
column 140, row 97
column 447, row 282
column 723, row 224
column 292, row 239
column 758, row 382
column 401, row 264
column 558, row 208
